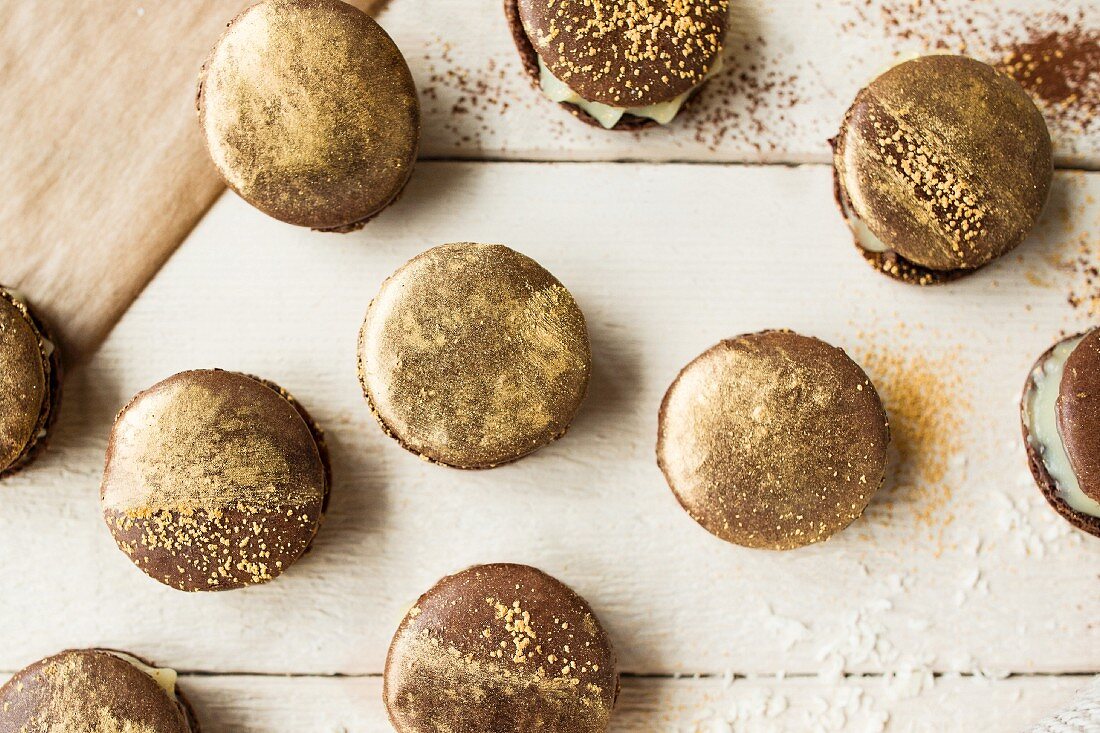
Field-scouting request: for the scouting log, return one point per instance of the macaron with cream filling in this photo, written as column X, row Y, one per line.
column 620, row 64
column 30, row 383
column 94, row 691
column 1060, row 418
column 942, row 164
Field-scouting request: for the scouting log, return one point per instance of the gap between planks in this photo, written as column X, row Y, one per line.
column 793, row 162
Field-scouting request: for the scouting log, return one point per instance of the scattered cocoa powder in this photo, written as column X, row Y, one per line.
column 927, row 405
column 1061, row 68
column 747, row 100
column 1054, row 55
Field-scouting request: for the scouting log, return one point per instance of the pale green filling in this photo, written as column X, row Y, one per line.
column 607, row 115
column 1042, row 428
column 164, row 677
column 865, row 238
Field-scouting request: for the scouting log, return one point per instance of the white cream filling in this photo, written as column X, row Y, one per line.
column 865, row 238
column 607, row 115
column 164, row 677
column 1042, row 428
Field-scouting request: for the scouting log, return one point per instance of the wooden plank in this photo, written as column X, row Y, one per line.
column 103, row 171
column 791, row 70
column 958, row 556
column 106, row 173
column 354, row 704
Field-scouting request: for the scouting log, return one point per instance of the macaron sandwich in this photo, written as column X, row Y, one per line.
column 30, row 383
column 773, row 440
column 473, row 355
column 942, row 164
column 94, row 691
column 1060, row 416
column 619, row 64
column 500, row 649
column 310, row 113
column 214, row 480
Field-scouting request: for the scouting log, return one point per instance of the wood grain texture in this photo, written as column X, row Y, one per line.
column 791, row 69
column 956, row 556
column 763, row 705
column 103, row 171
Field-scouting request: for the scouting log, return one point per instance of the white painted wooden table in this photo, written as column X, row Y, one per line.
column 958, row 602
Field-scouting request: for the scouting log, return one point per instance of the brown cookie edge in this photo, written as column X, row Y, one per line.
column 47, row 416
column 1043, row 479
column 662, row 411
column 530, row 60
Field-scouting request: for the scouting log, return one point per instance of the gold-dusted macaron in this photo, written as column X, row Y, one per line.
column 214, row 480
column 473, row 355
column 619, row 64
column 942, row 164
column 310, row 112
column 30, row 383
column 501, row 648
column 94, row 691
column 773, row 440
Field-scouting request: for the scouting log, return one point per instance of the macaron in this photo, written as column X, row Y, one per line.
column 942, row 164
column 473, row 355
column 619, row 64
column 310, row 113
column 214, row 480
column 500, row 649
column 773, row 440
column 94, row 691
column 1060, row 416
column 30, row 383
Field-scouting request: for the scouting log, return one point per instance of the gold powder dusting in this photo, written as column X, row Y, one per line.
column 945, row 190
column 89, row 692
column 928, row 407
column 773, row 440
column 473, row 355
column 24, row 381
column 627, row 52
column 213, row 480
column 216, row 550
column 310, row 113
column 950, row 201
column 495, row 650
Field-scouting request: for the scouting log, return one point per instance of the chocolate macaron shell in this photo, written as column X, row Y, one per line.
column 89, row 691
column 624, row 53
column 890, row 263
column 1046, row 483
column 530, row 59
column 214, row 480
column 773, row 440
column 501, row 649
column 946, row 161
column 473, row 355
column 310, row 112
column 1078, row 413
column 30, row 384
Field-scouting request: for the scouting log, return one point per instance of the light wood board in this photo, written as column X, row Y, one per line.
column 791, row 69
column 244, row 704
column 102, row 170
column 958, row 566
